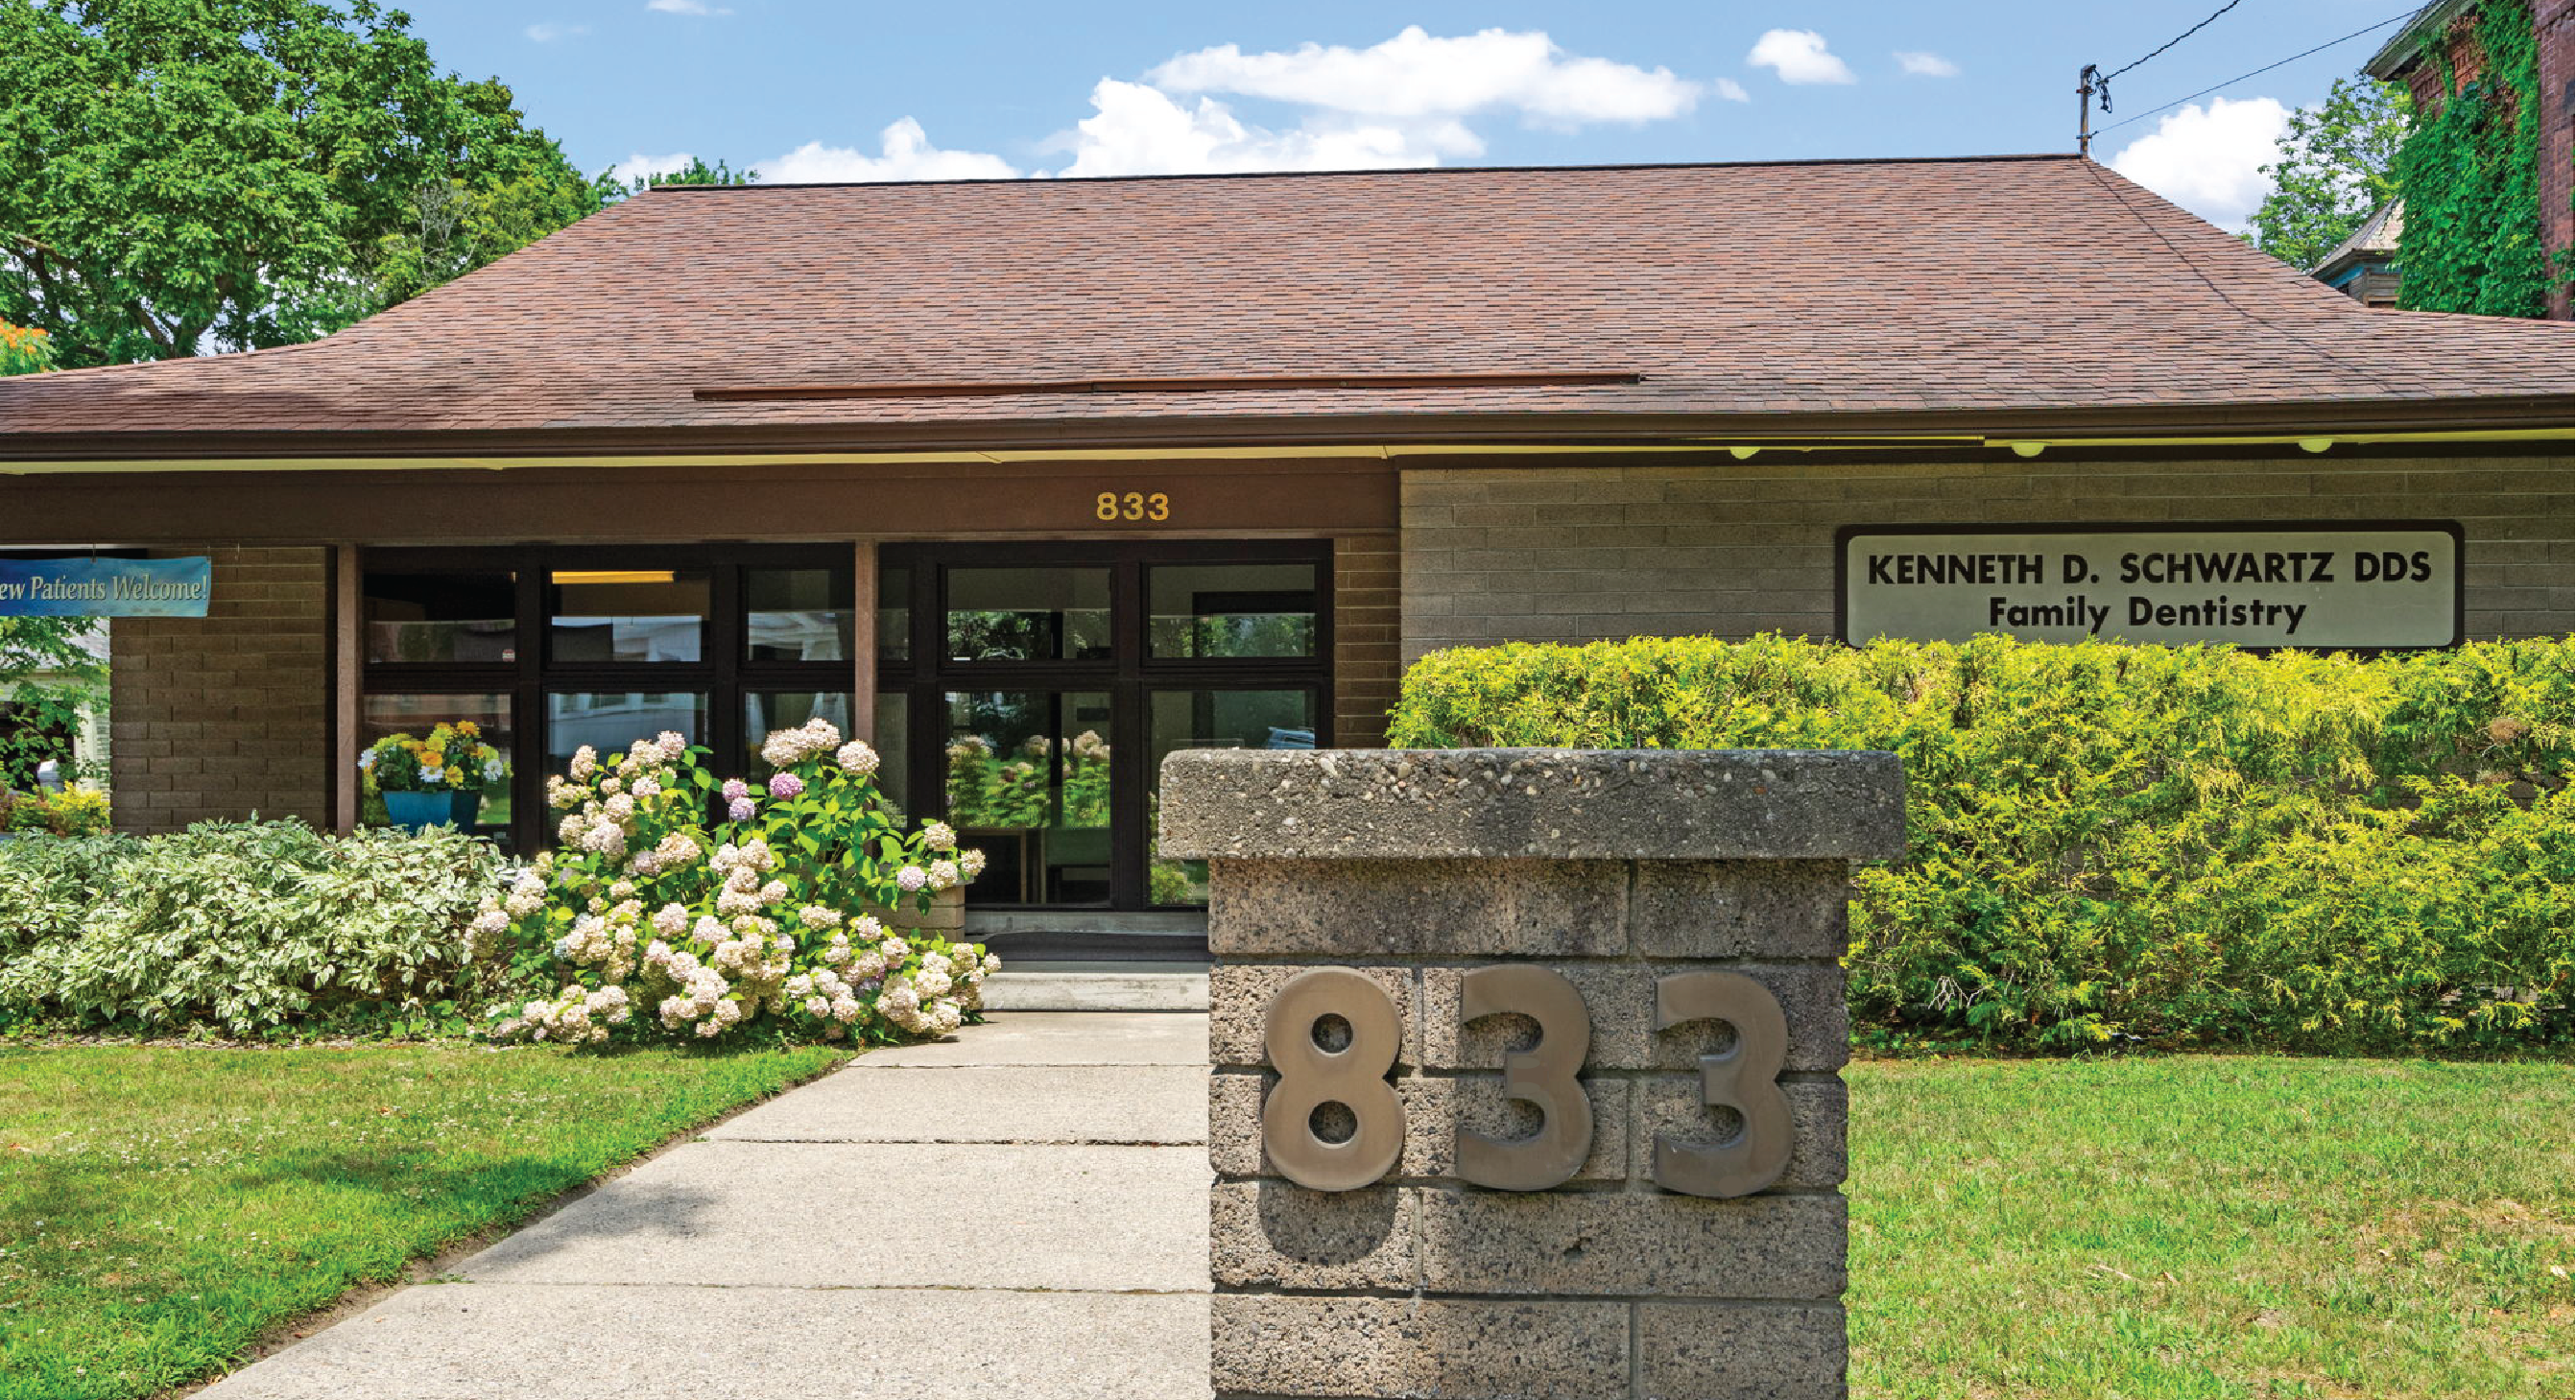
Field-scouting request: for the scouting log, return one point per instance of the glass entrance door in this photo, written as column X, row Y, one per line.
column 1040, row 687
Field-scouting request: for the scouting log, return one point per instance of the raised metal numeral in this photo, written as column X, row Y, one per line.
column 1544, row 1077
column 1311, row 1076
column 1745, row 1079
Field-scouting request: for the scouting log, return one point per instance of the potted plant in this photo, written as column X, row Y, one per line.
column 437, row 781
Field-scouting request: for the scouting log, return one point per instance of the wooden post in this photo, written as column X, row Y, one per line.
column 348, row 663
column 863, row 642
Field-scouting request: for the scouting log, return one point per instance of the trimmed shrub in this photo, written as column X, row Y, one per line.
column 2187, row 846
column 242, row 927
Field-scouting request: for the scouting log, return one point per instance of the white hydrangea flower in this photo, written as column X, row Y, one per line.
column 856, row 758
column 939, row 836
column 943, row 874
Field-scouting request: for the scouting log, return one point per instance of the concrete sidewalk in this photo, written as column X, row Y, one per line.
column 1019, row 1211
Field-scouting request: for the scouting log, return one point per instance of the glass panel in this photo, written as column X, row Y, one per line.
column 1028, row 614
column 1028, row 783
column 417, row 715
column 765, row 713
column 1215, row 719
column 1219, row 610
column 627, row 614
column 894, row 777
column 609, row 721
column 459, row 618
column 894, row 612
column 798, row 614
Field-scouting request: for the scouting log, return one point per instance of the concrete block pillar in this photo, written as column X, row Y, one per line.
column 1527, row 1067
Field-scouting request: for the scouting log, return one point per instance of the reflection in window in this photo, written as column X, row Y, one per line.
column 1028, row 614
column 417, row 715
column 465, row 619
column 609, row 722
column 1028, row 782
column 1223, row 610
column 1215, row 719
column 627, row 614
column 893, row 777
column 798, row 614
column 765, row 713
column 894, row 612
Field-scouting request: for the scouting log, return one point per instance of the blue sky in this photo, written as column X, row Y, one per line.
column 806, row 89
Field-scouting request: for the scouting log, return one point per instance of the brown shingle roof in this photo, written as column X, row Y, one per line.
column 1986, row 288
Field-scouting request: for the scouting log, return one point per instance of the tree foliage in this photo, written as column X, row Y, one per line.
column 2336, row 164
column 48, row 676
column 248, row 173
column 24, row 349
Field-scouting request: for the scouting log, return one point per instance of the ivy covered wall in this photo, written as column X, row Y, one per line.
column 2471, row 171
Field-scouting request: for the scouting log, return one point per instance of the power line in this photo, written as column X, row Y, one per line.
column 2169, row 43
column 2266, row 68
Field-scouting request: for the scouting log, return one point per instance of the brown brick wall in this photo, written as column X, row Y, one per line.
column 2555, row 21
column 1734, row 548
column 228, row 714
column 1366, row 632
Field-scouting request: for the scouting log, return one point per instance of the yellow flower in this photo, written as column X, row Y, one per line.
column 468, row 728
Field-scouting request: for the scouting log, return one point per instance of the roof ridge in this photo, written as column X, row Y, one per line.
column 1613, row 168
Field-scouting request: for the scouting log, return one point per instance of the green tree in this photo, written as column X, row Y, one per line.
column 2337, row 163
column 248, row 172
column 24, row 351
column 696, row 172
column 48, row 676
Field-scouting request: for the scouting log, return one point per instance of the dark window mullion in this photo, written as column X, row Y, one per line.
column 1127, row 606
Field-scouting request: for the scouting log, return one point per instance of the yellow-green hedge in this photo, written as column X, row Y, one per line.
column 2191, row 846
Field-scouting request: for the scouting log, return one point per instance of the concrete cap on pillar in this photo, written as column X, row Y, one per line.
column 1554, row 804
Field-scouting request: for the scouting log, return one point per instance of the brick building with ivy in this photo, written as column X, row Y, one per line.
column 2526, row 121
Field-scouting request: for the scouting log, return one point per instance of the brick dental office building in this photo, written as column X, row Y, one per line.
column 1080, row 472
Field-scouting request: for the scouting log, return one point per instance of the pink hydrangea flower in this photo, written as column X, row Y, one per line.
column 785, row 785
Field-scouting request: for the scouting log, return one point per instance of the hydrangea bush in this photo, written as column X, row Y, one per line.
column 678, row 906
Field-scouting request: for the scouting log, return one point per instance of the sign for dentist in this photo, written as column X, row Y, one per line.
column 2363, row 585
column 105, row 587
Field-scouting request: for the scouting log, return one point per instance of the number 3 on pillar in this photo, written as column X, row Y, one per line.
column 1543, row 1077
column 1745, row 1079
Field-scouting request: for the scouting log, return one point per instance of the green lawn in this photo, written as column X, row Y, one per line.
column 2118, row 1230
column 160, row 1208
column 2210, row 1227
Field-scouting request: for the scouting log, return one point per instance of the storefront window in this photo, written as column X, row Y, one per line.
column 894, row 612
column 1029, row 783
column 1214, row 719
column 641, row 615
column 610, row 721
column 894, row 775
column 1231, row 610
column 1028, row 614
column 417, row 714
column 798, row 614
column 460, row 619
column 765, row 712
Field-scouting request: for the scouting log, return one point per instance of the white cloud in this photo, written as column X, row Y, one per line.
column 1136, row 129
column 1925, row 65
column 2210, row 162
column 1415, row 75
column 1731, row 90
column 635, row 167
column 547, row 31
column 1799, row 56
column 904, row 152
column 685, row 7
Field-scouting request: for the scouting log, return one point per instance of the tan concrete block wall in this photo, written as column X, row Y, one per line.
column 1728, row 548
column 1367, row 622
column 228, row 714
column 1606, row 1285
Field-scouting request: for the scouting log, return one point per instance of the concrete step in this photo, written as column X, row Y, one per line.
column 1034, row 989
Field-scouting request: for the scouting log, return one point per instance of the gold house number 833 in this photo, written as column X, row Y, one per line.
column 1745, row 1078
column 1132, row 505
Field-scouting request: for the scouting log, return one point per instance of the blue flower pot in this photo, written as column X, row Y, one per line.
column 419, row 811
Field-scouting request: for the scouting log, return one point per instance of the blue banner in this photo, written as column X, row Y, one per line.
column 105, row 587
